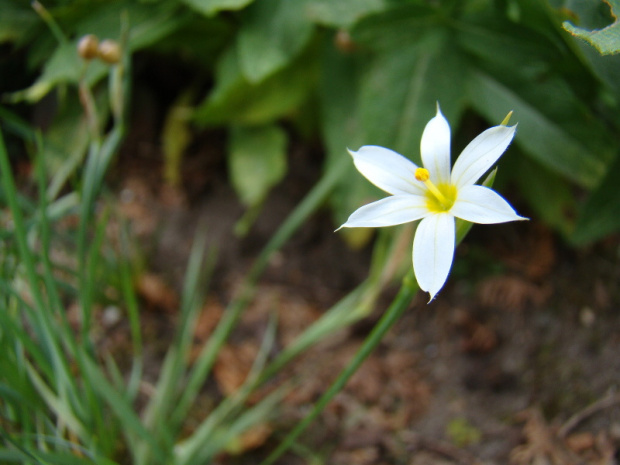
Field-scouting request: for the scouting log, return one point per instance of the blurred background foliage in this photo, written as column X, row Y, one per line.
column 350, row 73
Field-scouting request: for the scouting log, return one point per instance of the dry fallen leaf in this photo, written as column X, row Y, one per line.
column 541, row 446
column 233, row 365
column 157, row 292
column 511, row 292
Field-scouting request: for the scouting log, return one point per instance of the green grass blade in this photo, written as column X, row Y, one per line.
column 133, row 312
column 41, row 318
column 204, row 363
column 402, row 301
column 132, row 426
column 205, row 440
column 177, row 357
column 58, row 404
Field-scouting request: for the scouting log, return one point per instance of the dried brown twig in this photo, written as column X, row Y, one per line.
column 601, row 404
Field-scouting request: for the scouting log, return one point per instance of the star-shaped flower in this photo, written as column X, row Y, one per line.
column 434, row 194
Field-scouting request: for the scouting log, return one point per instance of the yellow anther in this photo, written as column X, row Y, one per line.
column 422, row 174
column 506, row 119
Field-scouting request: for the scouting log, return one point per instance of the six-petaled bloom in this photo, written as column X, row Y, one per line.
column 435, row 194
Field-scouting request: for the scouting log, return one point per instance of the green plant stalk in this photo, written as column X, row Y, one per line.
column 401, row 302
column 104, row 441
column 131, row 423
column 202, row 437
column 131, row 302
column 208, row 438
column 40, row 319
column 408, row 290
column 100, row 155
column 177, row 357
column 98, row 161
column 207, row 357
column 94, row 415
column 50, row 21
column 353, row 307
column 84, row 403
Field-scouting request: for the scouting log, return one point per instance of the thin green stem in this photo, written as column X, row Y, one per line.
column 207, row 357
column 402, row 301
column 51, row 22
column 41, row 318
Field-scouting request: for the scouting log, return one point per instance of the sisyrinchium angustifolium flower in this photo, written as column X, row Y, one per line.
column 436, row 194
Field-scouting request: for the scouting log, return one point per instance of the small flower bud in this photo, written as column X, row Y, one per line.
column 87, row 47
column 110, row 51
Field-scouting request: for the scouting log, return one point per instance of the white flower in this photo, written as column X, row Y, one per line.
column 434, row 194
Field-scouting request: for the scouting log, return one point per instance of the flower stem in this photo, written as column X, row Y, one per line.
column 402, row 301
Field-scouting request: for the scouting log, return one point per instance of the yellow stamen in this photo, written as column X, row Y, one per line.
column 422, row 174
column 506, row 119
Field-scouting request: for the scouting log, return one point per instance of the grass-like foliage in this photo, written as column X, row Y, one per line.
column 64, row 400
column 348, row 73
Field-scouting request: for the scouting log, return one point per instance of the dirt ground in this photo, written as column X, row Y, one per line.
column 516, row 361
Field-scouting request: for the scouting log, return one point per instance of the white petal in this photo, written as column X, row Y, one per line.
column 433, row 251
column 479, row 204
column 435, row 148
column 387, row 170
column 390, row 211
column 480, row 154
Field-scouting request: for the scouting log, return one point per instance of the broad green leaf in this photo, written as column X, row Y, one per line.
column 256, row 160
column 338, row 90
column 543, row 137
column 404, row 84
column 503, row 43
column 273, row 32
column 605, row 67
column 199, row 42
column 401, row 25
column 427, row 77
column 606, row 40
column 343, row 13
column 548, row 88
column 63, row 66
column 235, row 100
column 147, row 23
column 211, row 7
column 600, row 215
column 550, row 196
column 591, row 15
column 16, row 20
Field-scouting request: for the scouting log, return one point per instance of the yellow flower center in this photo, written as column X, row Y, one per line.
column 439, row 198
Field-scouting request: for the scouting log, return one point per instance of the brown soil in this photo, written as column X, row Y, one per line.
column 500, row 368
column 524, row 336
